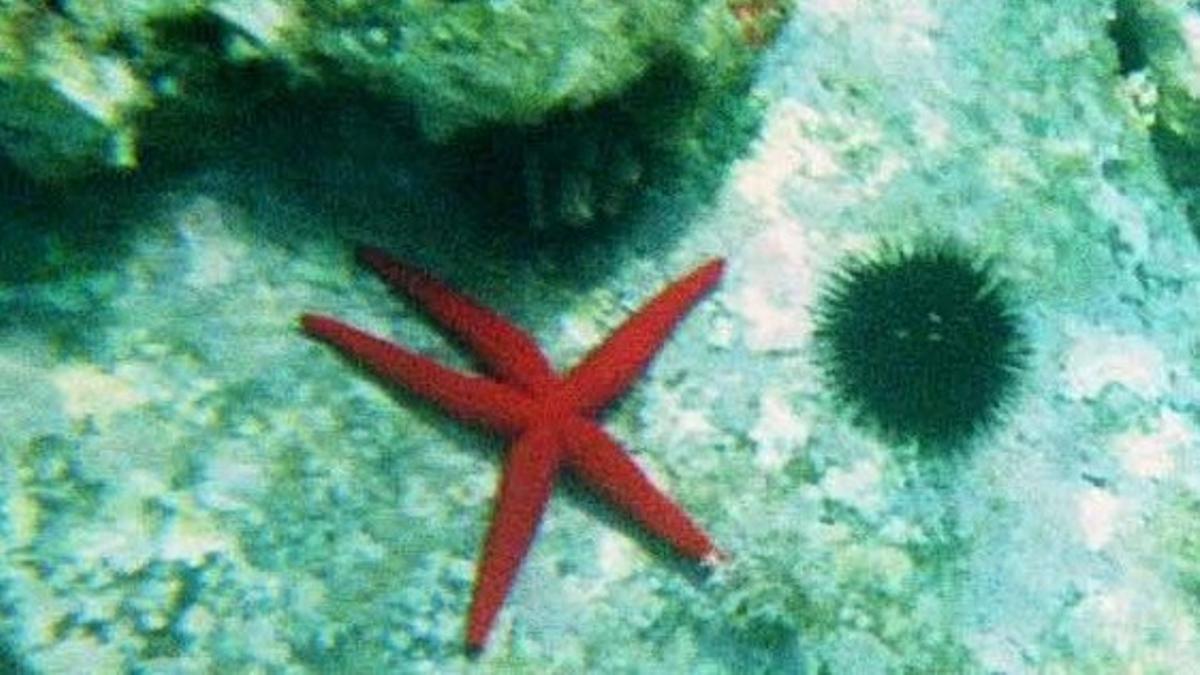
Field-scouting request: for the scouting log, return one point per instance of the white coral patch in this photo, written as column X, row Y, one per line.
column 843, row 10
column 123, row 537
column 857, row 486
column 615, row 555
column 1097, row 511
column 1190, row 26
column 779, row 285
column 191, row 536
column 263, row 20
column 673, row 420
column 580, row 330
column 915, row 23
column 931, row 128
column 1098, row 360
column 1151, row 454
column 230, row 483
column 80, row 653
column 104, row 88
column 777, row 433
column 1115, row 609
column 215, row 254
column 786, row 151
column 1126, row 215
column 89, row 392
column 1110, row 613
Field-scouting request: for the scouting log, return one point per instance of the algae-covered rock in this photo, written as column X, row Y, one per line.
column 78, row 80
column 1160, row 41
column 466, row 64
column 1166, row 34
column 66, row 108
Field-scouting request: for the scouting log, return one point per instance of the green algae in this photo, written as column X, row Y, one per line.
column 1159, row 42
column 82, row 81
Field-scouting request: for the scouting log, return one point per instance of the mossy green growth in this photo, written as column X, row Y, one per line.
column 1159, row 43
column 78, row 79
column 65, row 107
column 470, row 64
column 81, row 83
column 1161, row 35
column 1180, row 540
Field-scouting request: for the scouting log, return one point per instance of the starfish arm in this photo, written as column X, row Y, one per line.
column 504, row 348
column 602, row 463
column 612, row 367
column 529, row 470
column 475, row 399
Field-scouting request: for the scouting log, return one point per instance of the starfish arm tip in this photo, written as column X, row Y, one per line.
column 366, row 253
column 316, row 324
column 475, row 643
column 715, row 558
column 711, row 272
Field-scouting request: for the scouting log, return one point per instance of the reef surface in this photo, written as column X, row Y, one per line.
column 189, row 485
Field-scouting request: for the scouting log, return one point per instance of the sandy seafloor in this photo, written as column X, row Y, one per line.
column 190, row 486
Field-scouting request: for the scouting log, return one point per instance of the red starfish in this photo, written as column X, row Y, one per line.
column 550, row 417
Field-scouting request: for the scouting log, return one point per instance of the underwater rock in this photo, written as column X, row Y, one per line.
column 672, row 133
column 80, row 82
column 471, row 64
column 1164, row 37
column 1159, row 44
column 65, row 109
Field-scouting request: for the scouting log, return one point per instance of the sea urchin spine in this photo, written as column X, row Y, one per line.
column 923, row 344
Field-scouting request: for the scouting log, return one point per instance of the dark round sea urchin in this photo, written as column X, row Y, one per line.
column 923, row 344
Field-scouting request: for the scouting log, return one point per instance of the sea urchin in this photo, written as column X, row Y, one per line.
column 923, row 344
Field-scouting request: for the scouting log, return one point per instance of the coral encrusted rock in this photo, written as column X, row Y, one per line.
column 81, row 82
